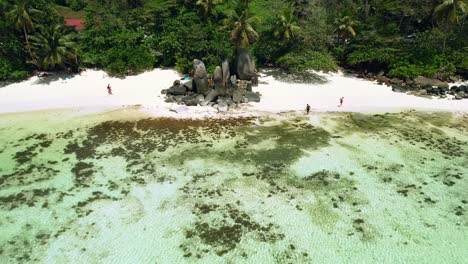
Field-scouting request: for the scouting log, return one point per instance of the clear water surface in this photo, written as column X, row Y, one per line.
column 120, row 187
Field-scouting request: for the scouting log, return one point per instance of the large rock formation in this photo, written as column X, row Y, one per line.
column 218, row 78
column 223, row 91
column 176, row 89
column 189, row 85
column 219, row 88
column 245, row 66
column 200, row 77
column 423, row 81
column 226, row 73
column 252, row 97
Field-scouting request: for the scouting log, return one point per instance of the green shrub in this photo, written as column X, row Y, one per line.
column 462, row 66
column 405, row 69
column 117, row 51
column 460, row 59
column 10, row 72
column 76, row 4
column 390, row 29
column 369, row 54
column 183, row 64
column 186, row 38
column 297, row 61
column 118, row 60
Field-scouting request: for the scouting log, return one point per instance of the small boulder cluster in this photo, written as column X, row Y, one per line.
column 460, row 92
column 425, row 87
column 223, row 91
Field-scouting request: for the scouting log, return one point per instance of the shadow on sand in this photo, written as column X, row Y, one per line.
column 56, row 76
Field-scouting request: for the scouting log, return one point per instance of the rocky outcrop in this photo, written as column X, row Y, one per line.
column 200, row 77
column 420, row 93
column 200, row 98
column 192, row 102
column 189, row 85
column 223, row 91
column 382, row 79
column 396, row 81
column 222, row 105
column 460, row 92
column 176, row 90
column 423, row 81
column 237, row 96
column 219, row 87
column 226, row 73
column 252, row 97
column 421, row 86
column 211, row 96
column 218, row 78
column 233, row 82
column 245, row 66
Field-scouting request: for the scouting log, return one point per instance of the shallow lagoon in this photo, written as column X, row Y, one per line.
column 120, row 187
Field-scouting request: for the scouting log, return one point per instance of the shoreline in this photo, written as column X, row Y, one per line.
column 86, row 92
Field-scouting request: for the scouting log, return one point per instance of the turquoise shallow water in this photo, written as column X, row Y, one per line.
column 120, row 187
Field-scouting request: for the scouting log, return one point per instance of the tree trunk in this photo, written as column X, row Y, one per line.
column 445, row 42
column 28, row 47
column 367, row 8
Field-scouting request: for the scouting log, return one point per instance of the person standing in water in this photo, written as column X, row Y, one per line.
column 341, row 102
column 109, row 89
column 307, row 108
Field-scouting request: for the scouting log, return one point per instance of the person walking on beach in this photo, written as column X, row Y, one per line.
column 307, row 108
column 109, row 89
column 341, row 102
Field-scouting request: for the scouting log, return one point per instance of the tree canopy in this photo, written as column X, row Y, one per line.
column 401, row 38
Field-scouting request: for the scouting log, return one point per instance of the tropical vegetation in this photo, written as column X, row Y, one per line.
column 402, row 39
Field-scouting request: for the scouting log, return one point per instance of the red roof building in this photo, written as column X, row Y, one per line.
column 76, row 22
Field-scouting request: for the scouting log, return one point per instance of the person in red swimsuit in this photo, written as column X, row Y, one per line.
column 109, row 89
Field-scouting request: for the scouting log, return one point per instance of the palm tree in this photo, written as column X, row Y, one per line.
column 446, row 15
column 286, row 27
column 241, row 23
column 54, row 47
column 22, row 15
column 302, row 8
column 207, row 7
column 345, row 28
column 448, row 10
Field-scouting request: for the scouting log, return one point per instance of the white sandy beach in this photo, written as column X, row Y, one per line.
column 88, row 92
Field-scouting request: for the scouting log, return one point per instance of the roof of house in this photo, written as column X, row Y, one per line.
column 76, row 22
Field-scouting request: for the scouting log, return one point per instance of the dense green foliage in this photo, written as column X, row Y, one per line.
column 54, row 46
column 407, row 38
column 12, row 64
column 187, row 37
column 301, row 60
column 26, row 40
column 403, row 39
